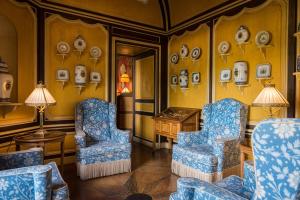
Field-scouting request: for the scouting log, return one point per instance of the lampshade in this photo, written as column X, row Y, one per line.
column 40, row 96
column 124, row 78
column 270, row 97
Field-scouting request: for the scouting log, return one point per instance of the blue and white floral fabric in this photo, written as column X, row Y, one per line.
column 23, row 176
column 275, row 175
column 102, row 149
column 207, row 153
column 276, row 148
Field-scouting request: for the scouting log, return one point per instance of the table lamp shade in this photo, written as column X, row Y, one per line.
column 124, row 78
column 270, row 97
column 40, row 96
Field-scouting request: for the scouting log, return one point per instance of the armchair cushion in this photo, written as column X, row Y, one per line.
column 31, row 157
column 249, row 176
column 198, row 157
column 104, row 148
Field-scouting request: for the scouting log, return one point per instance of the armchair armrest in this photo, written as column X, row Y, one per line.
column 227, row 151
column 25, row 158
column 210, row 191
column 249, row 176
column 80, row 138
column 191, row 138
column 120, row 136
column 26, row 183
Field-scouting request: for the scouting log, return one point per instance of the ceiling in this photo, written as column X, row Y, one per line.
column 130, row 50
column 158, row 14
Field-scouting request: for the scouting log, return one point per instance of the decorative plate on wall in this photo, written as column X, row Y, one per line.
column 95, row 52
column 242, row 35
column 95, row 77
column 225, row 75
column 263, row 70
column 263, row 38
column 62, row 75
column 195, row 77
column 196, row 53
column 63, row 47
column 174, row 58
column 224, row 47
column 184, row 52
column 79, row 43
column 174, row 80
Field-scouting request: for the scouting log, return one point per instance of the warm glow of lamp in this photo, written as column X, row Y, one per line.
column 270, row 97
column 124, row 79
column 40, row 98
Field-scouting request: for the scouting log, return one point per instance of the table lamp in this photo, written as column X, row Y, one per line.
column 124, row 79
column 270, row 97
column 40, row 98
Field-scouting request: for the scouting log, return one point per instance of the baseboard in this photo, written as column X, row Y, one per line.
column 163, row 145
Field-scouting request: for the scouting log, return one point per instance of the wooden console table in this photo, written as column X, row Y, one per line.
column 34, row 140
column 245, row 150
column 174, row 119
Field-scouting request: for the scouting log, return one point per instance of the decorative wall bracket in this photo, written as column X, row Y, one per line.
column 63, row 83
column 80, row 88
column 263, row 49
column 63, row 57
column 6, row 107
column 242, row 46
column 96, row 83
column 224, row 57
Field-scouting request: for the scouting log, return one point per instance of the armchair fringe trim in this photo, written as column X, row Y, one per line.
column 185, row 171
column 103, row 169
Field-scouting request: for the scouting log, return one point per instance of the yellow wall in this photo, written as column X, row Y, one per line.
column 60, row 29
column 196, row 95
column 270, row 17
column 24, row 21
column 129, row 9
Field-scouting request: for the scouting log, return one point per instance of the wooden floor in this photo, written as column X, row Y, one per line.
column 151, row 174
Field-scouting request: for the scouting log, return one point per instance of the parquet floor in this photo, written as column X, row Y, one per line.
column 151, row 174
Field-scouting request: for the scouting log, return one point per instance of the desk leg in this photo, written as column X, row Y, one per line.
column 62, row 149
column 18, row 147
column 242, row 164
column 170, row 143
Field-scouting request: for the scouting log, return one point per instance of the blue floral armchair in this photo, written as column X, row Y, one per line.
column 102, row 149
column 276, row 148
column 23, row 176
column 213, row 152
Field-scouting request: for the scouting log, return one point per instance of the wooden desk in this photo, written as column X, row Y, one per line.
column 34, row 140
column 174, row 119
column 245, row 150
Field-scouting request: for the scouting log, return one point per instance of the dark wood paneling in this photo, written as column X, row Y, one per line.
column 292, row 28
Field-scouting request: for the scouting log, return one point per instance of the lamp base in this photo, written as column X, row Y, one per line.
column 41, row 133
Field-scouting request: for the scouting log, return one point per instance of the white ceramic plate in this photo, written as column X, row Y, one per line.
column 184, row 52
column 224, row 47
column 225, row 75
column 63, row 47
column 174, row 58
column 95, row 52
column 262, row 38
column 79, row 43
column 242, row 35
column 196, row 53
column 263, row 70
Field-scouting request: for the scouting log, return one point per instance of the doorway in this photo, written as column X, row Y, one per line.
column 136, row 88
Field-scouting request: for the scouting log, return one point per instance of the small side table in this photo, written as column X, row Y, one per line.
column 245, row 150
column 39, row 141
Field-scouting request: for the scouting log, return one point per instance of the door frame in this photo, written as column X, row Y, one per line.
column 157, row 76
